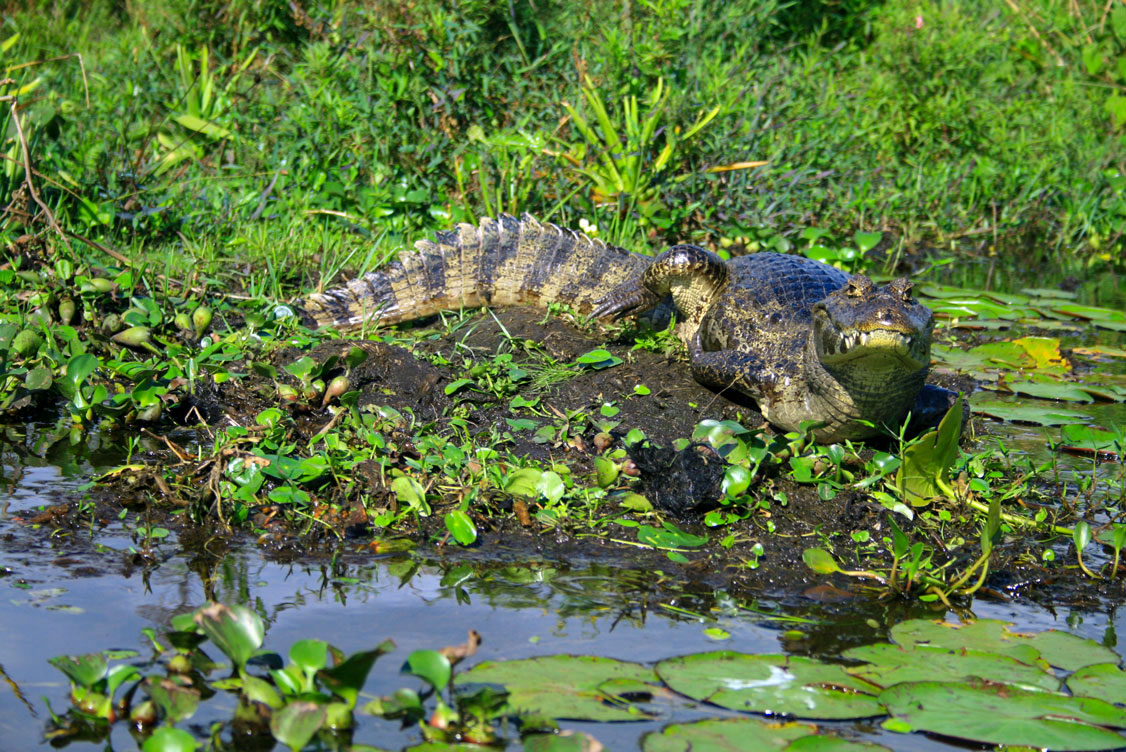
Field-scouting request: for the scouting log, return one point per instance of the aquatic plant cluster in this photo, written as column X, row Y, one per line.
column 928, row 678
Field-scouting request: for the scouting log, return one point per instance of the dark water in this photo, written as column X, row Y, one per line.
column 84, row 591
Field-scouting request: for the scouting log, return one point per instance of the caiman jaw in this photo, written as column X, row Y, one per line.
column 879, row 347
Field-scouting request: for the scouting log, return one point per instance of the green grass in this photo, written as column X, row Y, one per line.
column 246, row 133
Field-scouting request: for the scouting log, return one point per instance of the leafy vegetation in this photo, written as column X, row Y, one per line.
column 929, row 678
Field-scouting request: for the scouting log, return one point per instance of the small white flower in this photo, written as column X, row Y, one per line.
column 588, row 227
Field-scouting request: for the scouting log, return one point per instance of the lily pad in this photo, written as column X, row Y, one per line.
column 1043, row 292
column 1052, row 647
column 564, row 686
column 1095, row 439
column 889, row 665
column 1105, row 351
column 1091, row 313
column 1106, row 681
column 727, row 735
column 1055, row 390
column 774, row 684
column 1041, row 416
column 1002, row 714
column 568, row 741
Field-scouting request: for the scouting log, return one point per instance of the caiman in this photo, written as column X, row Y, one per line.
column 808, row 343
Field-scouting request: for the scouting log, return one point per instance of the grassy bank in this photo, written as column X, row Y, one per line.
column 287, row 139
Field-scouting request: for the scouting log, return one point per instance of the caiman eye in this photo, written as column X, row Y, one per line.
column 858, row 285
column 902, row 288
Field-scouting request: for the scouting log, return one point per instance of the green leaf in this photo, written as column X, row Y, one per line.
column 453, row 386
column 925, row 471
column 726, row 735
column 1094, row 439
column 461, row 527
column 296, row 723
column 1055, row 390
column 598, row 359
column 551, row 486
column 83, row 670
column 346, row 679
column 1081, row 535
column 1003, row 714
column 669, row 537
column 866, row 241
column 820, row 561
column 199, row 125
column 888, row 665
column 565, row 686
column 309, row 655
column 775, row 684
column 524, row 481
column 176, row 702
column 255, row 690
column 168, row 739
column 1092, row 55
column 606, row 472
column 409, row 491
column 1105, row 681
column 566, row 741
column 1041, row 416
column 38, row 379
column 431, row 666
column 236, row 630
column 1061, row 649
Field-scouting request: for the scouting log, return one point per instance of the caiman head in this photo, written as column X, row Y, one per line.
column 863, row 330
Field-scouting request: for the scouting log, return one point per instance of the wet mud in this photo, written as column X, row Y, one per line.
column 172, row 488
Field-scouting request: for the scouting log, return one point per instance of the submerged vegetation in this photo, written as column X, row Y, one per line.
column 177, row 177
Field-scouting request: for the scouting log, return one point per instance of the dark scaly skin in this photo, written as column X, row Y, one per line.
column 804, row 340
column 506, row 261
column 784, row 330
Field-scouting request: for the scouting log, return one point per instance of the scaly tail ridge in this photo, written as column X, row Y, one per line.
column 506, row 261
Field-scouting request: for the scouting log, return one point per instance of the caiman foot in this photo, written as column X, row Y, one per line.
column 931, row 406
column 623, row 300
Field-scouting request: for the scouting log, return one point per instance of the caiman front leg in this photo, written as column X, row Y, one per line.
column 728, row 369
column 692, row 275
column 931, row 406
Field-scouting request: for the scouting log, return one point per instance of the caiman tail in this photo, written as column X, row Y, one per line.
column 501, row 262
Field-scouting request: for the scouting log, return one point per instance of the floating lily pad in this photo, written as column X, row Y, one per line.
column 1101, row 350
column 1002, row 714
column 727, row 735
column 975, row 307
column 1041, row 292
column 1008, row 298
column 1106, row 681
column 889, row 665
column 564, row 686
column 982, row 324
column 568, row 741
column 775, row 684
column 1042, row 416
column 1051, row 324
column 1091, row 313
column 739, row 734
column 1095, row 439
column 941, row 291
column 1061, row 649
column 1104, row 392
column 1054, row 390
